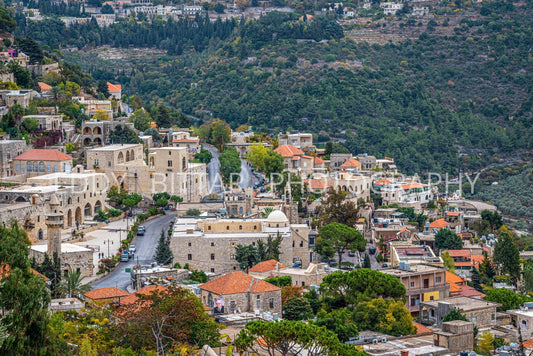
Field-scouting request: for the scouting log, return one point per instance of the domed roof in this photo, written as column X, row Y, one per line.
column 277, row 216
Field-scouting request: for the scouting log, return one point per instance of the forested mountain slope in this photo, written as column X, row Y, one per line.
column 434, row 103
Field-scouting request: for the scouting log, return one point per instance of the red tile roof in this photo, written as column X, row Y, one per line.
column 452, row 213
column 238, row 282
column 463, row 264
column 528, row 344
column 452, row 278
column 44, row 87
column 43, row 155
column 413, row 186
column 421, row 329
column 288, row 151
column 132, row 298
column 316, row 184
column 113, row 87
column 266, row 266
column 351, row 163
column 5, row 270
column 438, row 224
column 460, row 253
column 382, row 181
column 467, row 291
column 318, row 160
column 106, row 293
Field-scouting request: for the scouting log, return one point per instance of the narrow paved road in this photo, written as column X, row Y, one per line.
column 215, row 181
column 246, row 178
column 145, row 245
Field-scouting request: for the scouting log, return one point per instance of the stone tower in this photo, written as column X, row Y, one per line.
column 54, row 224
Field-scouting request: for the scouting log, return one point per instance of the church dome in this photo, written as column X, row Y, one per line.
column 277, row 216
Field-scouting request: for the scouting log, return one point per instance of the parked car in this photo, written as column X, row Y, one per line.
column 385, row 265
column 125, row 257
column 141, row 230
column 332, row 262
column 372, row 250
column 351, row 254
column 132, row 249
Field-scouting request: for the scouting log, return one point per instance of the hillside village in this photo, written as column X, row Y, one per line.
column 143, row 231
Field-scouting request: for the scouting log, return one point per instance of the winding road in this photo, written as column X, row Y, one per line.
column 146, row 246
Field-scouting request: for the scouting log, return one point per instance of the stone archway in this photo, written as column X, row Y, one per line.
column 77, row 216
column 87, row 130
column 97, row 141
column 97, row 207
column 97, row 131
column 69, row 218
column 127, row 156
column 120, row 158
column 132, row 155
column 87, row 141
column 87, row 210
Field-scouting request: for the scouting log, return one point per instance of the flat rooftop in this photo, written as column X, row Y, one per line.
column 115, row 147
column 65, row 248
column 421, row 268
column 463, row 303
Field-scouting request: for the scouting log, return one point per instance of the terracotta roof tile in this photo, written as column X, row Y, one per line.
column 318, row 160
column 477, row 258
column 383, row 181
column 288, row 151
column 113, row 87
column 439, row 224
column 459, row 253
column 106, row 293
column 452, row 213
column 316, row 184
column 413, row 186
column 132, row 298
column 452, row 278
column 43, row 155
column 351, row 163
column 238, row 282
column 463, row 264
column 528, row 344
column 454, row 288
column 266, row 266
column 467, row 291
column 44, row 87
column 421, row 329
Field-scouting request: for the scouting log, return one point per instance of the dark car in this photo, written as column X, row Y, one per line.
column 141, row 230
column 351, row 254
column 372, row 250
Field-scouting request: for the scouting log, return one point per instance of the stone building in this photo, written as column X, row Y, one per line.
column 10, row 149
column 12, row 97
column 239, row 202
column 36, row 162
column 47, row 122
column 92, row 106
column 209, row 244
column 311, row 276
column 80, row 195
column 298, row 140
column 480, row 312
column 167, row 170
column 456, row 336
column 107, row 295
column 522, row 318
column 238, row 292
column 73, row 258
column 184, row 139
column 96, row 132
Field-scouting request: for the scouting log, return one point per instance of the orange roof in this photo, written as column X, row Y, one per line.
column 452, row 213
column 477, row 258
column 452, row 278
column 288, row 151
column 459, row 253
column 40, row 274
column 382, row 181
column 266, row 266
column 463, row 264
column 316, row 184
column 528, row 344
column 238, row 282
column 113, row 87
column 413, row 186
column 106, row 293
column 467, row 291
column 308, row 157
column 438, row 224
column 318, row 160
column 455, row 288
column 404, row 230
column 5, row 270
column 132, row 298
column 421, row 329
column 153, row 124
column 351, row 163
column 44, row 87
column 43, row 155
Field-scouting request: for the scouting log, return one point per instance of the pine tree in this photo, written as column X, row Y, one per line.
column 366, row 262
column 163, row 254
column 475, row 280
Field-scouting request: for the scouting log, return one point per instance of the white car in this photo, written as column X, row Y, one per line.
column 132, row 249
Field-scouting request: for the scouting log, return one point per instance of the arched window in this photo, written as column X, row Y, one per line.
column 132, row 156
column 184, row 164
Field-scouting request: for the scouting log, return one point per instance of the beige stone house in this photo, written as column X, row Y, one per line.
column 168, row 170
column 36, row 162
column 10, row 149
column 96, row 132
column 238, row 292
column 73, row 258
column 184, row 139
column 209, row 244
column 47, row 122
column 310, row 276
column 481, row 312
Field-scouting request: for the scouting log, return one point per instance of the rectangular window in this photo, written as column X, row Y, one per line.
column 55, row 168
column 48, row 168
column 412, row 284
column 189, row 257
column 212, row 257
column 311, row 241
column 437, row 279
column 271, row 303
column 17, row 167
column 212, row 270
column 169, row 163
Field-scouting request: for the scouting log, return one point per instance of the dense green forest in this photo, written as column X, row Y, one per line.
column 439, row 102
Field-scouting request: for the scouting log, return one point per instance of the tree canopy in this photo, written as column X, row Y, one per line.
column 384, row 315
column 339, row 238
column 446, row 239
column 506, row 254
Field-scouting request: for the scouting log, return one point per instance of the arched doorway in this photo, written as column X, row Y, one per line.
column 87, row 142
column 87, row 131
column 120, row 158
column 97, row 207
column 20, row 200
column 132, row 155
column 78, row 215
column 69, row 218
column 97, row 141
column 87, row 211
column 97, row 131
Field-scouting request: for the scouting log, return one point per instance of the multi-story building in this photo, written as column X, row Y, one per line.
column 10, row 149
column 47, row 122
column 96, row 132
column 298, row 140
column 184, row 139
column 402, row 251
column 92, row 106
column 12, row 97
column 422, row 283
column 405, row 193
column 209, row 244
